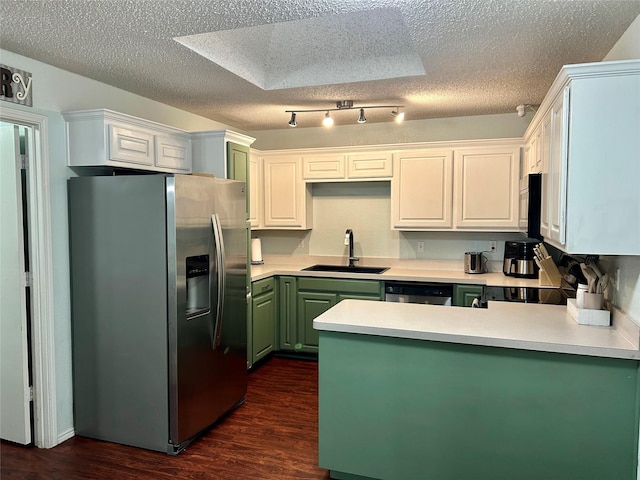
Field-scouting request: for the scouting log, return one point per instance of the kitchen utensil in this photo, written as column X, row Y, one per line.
column 593, row 266
column 592, row 278
column 603, row 283
column 474, row 262
column 543, row 249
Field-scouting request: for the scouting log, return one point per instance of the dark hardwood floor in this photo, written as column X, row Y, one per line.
column 274, row 435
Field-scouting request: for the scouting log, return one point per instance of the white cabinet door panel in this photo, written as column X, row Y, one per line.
column 132, row 146
column 421, row 190
column 173, row 152
column 317, row 167
column 370, row 165
column 487, row 186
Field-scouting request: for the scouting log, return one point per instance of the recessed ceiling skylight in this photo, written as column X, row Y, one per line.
column 344, row 48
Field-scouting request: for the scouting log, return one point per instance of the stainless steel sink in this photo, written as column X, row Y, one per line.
column 345, row 269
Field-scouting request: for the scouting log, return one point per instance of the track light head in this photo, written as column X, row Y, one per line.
column 361, row 118
column 292, row 122
column 327, row 121
column 398, row 115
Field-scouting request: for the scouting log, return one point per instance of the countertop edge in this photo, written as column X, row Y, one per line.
column 570, row 338
column 401, row 275
column 483, row 341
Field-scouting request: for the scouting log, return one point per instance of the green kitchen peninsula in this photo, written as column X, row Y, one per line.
column 520, row 391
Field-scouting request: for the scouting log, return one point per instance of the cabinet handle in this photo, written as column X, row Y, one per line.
column 266, row 287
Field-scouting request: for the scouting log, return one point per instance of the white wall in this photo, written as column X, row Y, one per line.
column 628, row 46
column 366, row 209
column 627, row 296
column 56, row 91
column 507, row 125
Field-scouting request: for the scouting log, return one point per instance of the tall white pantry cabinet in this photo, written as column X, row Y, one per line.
column 591, row 159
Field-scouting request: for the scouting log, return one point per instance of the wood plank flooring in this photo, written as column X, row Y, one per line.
column 274, row 435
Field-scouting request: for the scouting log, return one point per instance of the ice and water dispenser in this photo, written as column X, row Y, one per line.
column 198, row 287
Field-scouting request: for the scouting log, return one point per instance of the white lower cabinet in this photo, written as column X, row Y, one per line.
column 110, row 139
column 421, row 190
column 486, row 188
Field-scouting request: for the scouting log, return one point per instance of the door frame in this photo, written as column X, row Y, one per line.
column 42, row 319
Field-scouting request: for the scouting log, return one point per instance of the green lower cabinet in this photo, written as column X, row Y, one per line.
column 317, row 295
column 264, row 318
column 392, row 409
column 287, row 308
column 464, row 295
column 310, row 306
column 302, row 299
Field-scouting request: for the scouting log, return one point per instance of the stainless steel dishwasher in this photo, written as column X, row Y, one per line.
column 419, row 292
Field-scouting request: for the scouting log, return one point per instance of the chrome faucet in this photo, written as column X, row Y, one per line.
column 348, row 240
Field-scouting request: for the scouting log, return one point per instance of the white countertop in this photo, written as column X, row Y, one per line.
column 404, row 270
column 547, row 328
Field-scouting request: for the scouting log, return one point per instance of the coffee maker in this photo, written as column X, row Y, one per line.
column 519, row 258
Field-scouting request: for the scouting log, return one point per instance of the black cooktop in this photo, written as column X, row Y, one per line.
column 552, row 296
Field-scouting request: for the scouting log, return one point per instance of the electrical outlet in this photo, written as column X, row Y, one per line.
column 617, row 279
column 301, row 243
column 421, row 246
column 493, row 245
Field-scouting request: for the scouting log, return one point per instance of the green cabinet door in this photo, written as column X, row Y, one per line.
column 237, row 161
column 238, row 166
column 264, row 315
column 310, row 306
column 238, row 169
column 464, row 295
column 287, row 313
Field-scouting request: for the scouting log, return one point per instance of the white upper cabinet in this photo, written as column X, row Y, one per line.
column 468, row 189
column 486, row 188
column 340, row 166
column 173, row 152
column 370, row 165
column 421, row 190
column 110, row 139
column 591, row 178
column 323, row 167
column 287, row 199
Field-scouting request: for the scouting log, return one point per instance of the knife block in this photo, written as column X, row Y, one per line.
column 549, row 274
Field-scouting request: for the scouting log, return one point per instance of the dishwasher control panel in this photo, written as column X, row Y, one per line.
column 418, row 292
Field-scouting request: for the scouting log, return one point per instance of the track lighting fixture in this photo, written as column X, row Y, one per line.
column 522, row 109
column 346, row 105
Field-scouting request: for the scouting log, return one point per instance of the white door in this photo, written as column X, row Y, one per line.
column 15, row 413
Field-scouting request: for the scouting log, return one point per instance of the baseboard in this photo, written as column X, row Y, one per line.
column 64, row 436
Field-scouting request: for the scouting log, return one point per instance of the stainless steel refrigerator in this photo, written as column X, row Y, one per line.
column 159, row 302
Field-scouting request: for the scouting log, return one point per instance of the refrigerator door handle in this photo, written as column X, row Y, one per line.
column 219, row 247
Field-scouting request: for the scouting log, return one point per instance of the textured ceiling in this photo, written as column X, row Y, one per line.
column 250, row 60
